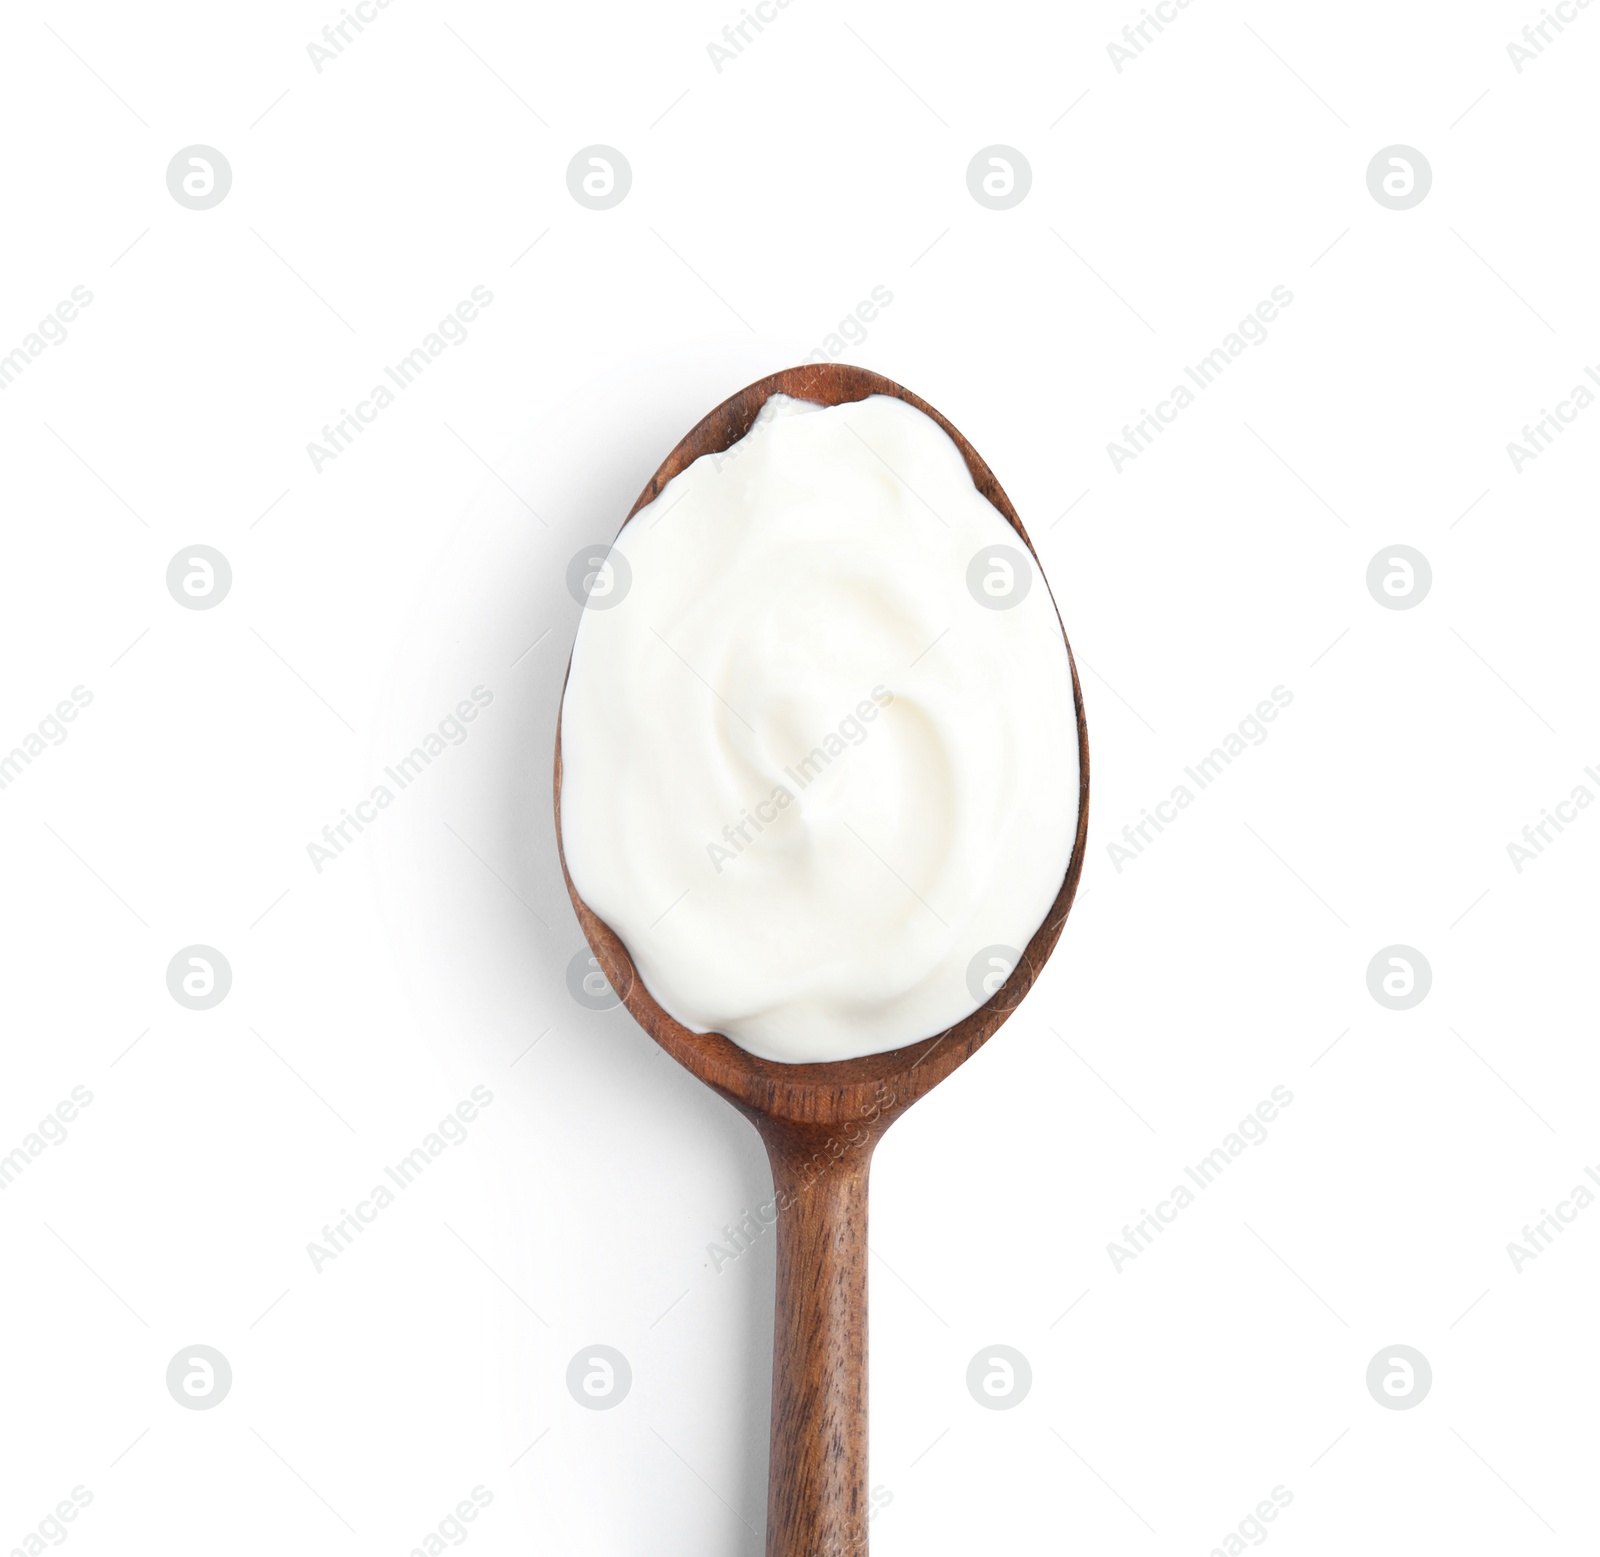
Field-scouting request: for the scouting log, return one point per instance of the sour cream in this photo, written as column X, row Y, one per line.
column 820, row 760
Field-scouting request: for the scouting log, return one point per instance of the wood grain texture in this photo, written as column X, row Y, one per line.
column 817, row 1466
column 820, row 1122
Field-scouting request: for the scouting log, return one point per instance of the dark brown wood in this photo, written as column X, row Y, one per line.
column 817, row 1464
column 820, row 1122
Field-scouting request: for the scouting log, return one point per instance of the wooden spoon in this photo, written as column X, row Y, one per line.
column 820, row 1122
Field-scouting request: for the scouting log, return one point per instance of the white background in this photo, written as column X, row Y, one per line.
column 769, row 198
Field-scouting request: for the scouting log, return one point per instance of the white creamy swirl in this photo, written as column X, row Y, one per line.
column 819, row 749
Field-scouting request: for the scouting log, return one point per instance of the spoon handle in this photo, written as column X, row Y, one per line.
column 817, row 1478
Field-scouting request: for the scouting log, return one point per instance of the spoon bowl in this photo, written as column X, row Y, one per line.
column 820, row 1122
